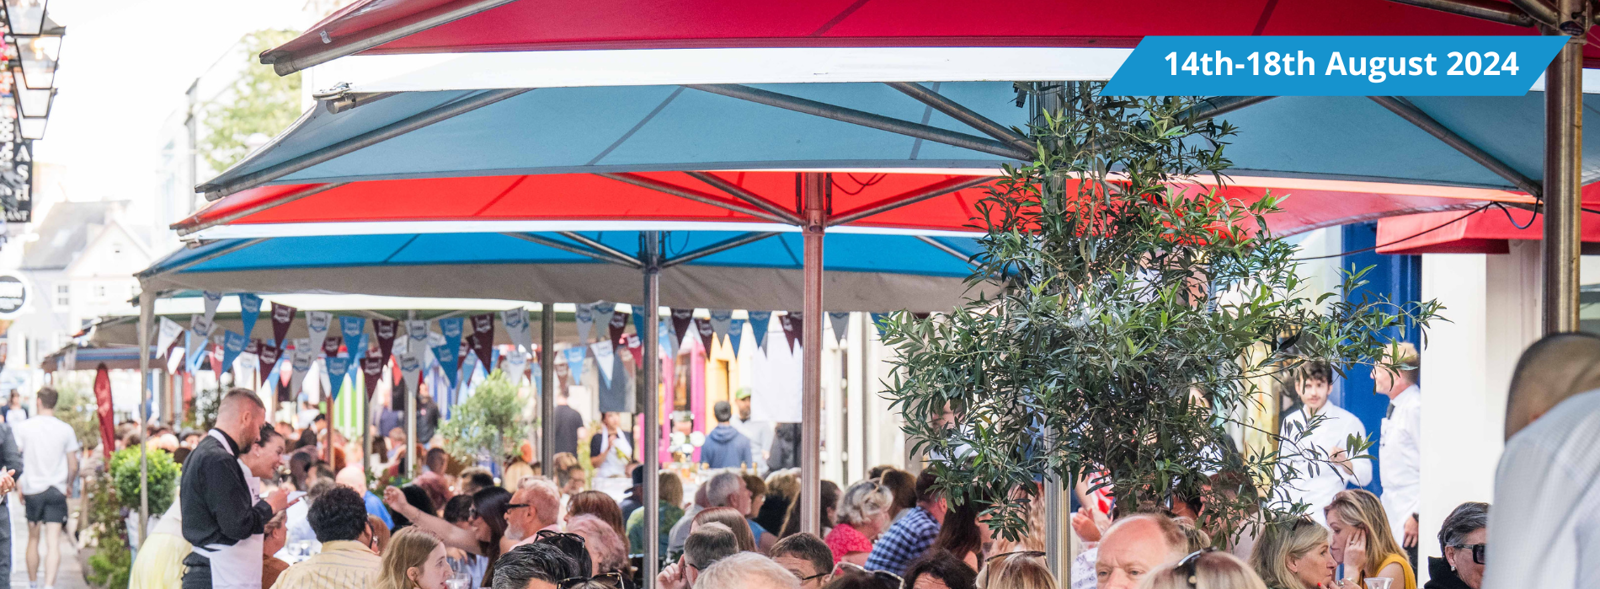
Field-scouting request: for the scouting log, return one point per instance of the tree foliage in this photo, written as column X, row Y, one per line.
column 164, row 474
column 1136, row 318
column 489, row 424
column 112, row 563
column 259, row 102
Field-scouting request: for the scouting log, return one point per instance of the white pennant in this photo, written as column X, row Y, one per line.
column 304, row 353
column 603, row 358
column 721, row 321
column 170, row 330
column 517, row 328
column 212, row 300
column 585, row 319
column 600, row 312
column 517, row 366
column 416, row 355
column 317, row 324
column 840, row 323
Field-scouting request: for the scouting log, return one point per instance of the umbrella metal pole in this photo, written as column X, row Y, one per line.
column 411, row 427
column 813, row 188
column 547, row 389
column 1563, row 155
column 651, row 251
column 147, row 310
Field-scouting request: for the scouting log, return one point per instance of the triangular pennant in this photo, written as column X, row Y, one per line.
column 600, row 312
column 214, row 357
column 638, row 320
column 300, row 361
column 385, row 330
column 878, row 320
column 735, row 334
column 585, row 321
column 352, row 328
column 268, row 355
column 282, row 317
column 175, row 362
column 665, row 339
column 517, row 366
column 338, row 367
column 721, row 322
column 249, row 311
column 840, row 322
column 517, row 328
column 213, row 300
column 197, row 340
column 170, row 330
column 603, row 352
column 411, row 364
column 703, row 328
column 371, row 371
column 636, row 348
column 574, row 357
column 330, row 346
column 483, row 338
column 318, row 324
column 233, row 344
column 449, row 354
column 791, row 323
column 760, row 322
column 619, row 324
column 680, row 325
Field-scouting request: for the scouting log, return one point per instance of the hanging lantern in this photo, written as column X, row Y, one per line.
column 25, row 17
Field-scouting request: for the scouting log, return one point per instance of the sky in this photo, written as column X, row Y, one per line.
column 125, row 67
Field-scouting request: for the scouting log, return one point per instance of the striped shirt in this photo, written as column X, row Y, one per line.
column 905, row 541
column 345, row 564
column 1542, row 528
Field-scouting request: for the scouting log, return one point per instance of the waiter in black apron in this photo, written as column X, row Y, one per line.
column 219, row 512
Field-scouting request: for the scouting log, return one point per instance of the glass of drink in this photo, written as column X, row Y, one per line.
column 1377, row 583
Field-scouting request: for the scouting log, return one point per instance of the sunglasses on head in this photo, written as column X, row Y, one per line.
column 1188, row 564
column 613, row 579
column 1477, row 551
column 892, row 579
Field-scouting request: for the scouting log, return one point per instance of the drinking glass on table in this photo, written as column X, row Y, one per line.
column 1377, row 583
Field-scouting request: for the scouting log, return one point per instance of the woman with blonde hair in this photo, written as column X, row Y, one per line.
column 1294, row 554
column 863, row 514
column 414, row 559
column 1017, row 570
column 1206, row 569
column 1363, row 542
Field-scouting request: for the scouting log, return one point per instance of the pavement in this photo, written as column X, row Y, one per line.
column 70, row 575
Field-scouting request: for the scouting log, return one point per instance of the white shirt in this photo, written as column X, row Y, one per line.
column 1400, row 460
column 1319, row 480
column 760, row 434
column 45, row 442
column 1544, row 528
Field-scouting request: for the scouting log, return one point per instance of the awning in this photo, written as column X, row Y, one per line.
column 1484, row 232
column 86, row 358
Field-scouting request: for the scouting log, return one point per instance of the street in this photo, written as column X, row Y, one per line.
column 71, row 574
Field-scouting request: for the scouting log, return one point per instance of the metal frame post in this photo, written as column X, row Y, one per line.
column 814, row 188
column 147, row 311
column 1563, row 155
column 650, row 251
column 547, row 388
column 411, row 427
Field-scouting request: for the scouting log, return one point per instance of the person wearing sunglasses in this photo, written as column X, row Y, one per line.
column 1205, row 569
column 1463, row 539
column 534, row 566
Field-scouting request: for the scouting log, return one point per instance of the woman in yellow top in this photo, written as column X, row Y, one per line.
column 1363, row 542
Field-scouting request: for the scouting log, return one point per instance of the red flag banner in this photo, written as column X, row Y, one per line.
column 102, row 399
column 680, row 324
column 619, row 322
column 791, row 323
column 385, row 328
column 706, row 332
column 371, row 370
column 282, row 316
column 483, row 339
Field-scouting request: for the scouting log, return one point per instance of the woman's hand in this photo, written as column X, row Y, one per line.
column 1355, row 553
column 1083, row 522
column 394, row 498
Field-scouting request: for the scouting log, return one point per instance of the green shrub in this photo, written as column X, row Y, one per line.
column 163, row 478
column 488, row 424
column 112, row 562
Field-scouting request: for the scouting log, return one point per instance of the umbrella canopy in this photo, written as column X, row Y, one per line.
column 940, row 205
column 1487, row 232
column 712, row 269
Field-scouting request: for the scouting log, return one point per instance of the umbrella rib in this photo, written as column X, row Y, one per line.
column 693, row 195
column 1433, row 127
column 285, row 63
column 966, row 115
column 219, row 252
column 745, row 195
column 1484, row 9
column 364, row 140
column 567, row 247
column 274, row 203
column 865, row 119
column 1219, row 105
column 900, row 200
column 943, row 247
column 600, row 247
column 718, row 247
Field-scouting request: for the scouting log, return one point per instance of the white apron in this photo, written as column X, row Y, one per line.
column 237, row 566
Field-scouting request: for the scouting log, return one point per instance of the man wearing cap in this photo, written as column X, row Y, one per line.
column 759, row 432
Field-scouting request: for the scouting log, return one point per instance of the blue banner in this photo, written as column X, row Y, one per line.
column 233, row 343
column 759, row 320
column 1335, row 66
column 338, row 367
column 735, row 333
column 351, row 328
column 448, row 354
column 249, row 311
column 575, row 363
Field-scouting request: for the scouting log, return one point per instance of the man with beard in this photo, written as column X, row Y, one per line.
column 219, row 512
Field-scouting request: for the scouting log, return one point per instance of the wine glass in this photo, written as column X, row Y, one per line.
column 1377, row 583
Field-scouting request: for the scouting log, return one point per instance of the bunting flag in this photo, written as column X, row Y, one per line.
column 411, row 368
column 840, row 322
column 417, row 337
column 253, row 347
column 615, row 394
column 517, row 327
column 735, row 333
column 681, row 318
column 664, row 339
column 175, row 362
column 371, row 371
column 170, row 330
column 363, row 348
column 196, row 340
column 602, row 360
column 636, row 348
column 792, row 324
column 213, row 299
column 619, row 324
column 600, row 312
column 450, row 355
column 385, row 330
column 268, row 355
column 330, row 347
column 300, row 361
column 443, row 353
column 483, row 339
column 352, row 328
column 638, row 320
column 574, row 356
column 877, row 321
column 318, row 323
column 214, row 357
column 233, row 343
column 282, row 317
column 585, row 321
column 921, row 316
column 703, row 328
column 338, row 367
column 760, row 321
column 249, row 311
column 516, row 366
column 721, row 322
column 461, row 364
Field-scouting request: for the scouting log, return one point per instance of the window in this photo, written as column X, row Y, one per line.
column 63, row 295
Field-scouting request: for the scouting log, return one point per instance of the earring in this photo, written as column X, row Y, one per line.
column 1452, row 568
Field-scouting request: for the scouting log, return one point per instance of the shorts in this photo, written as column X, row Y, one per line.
column 49, row 506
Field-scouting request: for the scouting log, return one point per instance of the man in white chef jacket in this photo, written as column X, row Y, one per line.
column 1400, row 447
column 1323, row 459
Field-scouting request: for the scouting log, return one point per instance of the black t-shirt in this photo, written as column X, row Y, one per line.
column 567, row 424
